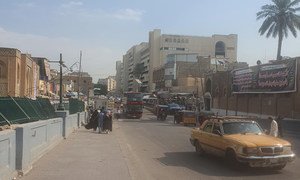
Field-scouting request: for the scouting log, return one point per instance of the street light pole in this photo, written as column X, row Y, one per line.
column 60, row 106
column 79, row 74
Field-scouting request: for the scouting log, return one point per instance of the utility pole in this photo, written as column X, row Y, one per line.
column 60, row 106
column 79, row 74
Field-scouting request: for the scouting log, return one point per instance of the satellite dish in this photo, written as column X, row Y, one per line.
column 258, row 62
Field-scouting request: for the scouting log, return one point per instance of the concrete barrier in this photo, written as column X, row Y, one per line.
column 21, row 147
column 34, row 139
column 7, row 154
column 71, row 124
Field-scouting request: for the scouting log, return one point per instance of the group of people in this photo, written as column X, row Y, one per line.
column 101, row 120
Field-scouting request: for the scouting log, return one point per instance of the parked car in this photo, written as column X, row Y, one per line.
column 241, row 141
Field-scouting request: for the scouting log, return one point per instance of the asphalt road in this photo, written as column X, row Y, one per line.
column 161, row 150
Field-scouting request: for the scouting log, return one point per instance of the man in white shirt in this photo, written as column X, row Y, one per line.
column 274, row 128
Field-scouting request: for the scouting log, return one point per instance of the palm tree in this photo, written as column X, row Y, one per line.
column 279, row 18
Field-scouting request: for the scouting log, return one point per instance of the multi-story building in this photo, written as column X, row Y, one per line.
column 29, row 77
column 153, row 54
column 216, row 47
column 45, row 77
column 130, row 61
column 10, row 72
column 119, row 77
column 19, row 74
column 145, row 60
column 111, row 83
column 102, row 81
column 85, row 82
column 179, row 68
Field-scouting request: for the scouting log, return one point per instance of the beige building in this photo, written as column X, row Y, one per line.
column 111, row 83
column 19, row 74
column 10, row 72
column 45, row 76
column 119, row 77
column 153, row 54
column 179, row 71
column 85, row 82
column 161, row 45
column 29, row 77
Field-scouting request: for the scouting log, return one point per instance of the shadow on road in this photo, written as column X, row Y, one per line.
column 209, row 164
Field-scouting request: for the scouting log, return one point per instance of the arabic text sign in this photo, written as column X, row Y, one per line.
column 277, row 77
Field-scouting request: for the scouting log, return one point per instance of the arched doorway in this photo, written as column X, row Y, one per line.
column 220, row 49
column 207, row 101
column 3, row 79
column 208, row 86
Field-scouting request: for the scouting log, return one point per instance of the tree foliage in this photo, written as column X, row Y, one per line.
column 279, row 18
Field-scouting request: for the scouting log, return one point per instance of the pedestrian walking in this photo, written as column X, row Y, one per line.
column 274, row 128
column 100, row 121
column 279, row 121
column 107, row 122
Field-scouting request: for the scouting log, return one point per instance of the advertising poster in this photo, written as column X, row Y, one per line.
column 276, row 77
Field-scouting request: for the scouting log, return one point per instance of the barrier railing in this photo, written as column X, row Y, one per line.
column 14, row 110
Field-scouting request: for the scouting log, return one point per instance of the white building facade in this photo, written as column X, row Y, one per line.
column 111, row 84
column 153, row 54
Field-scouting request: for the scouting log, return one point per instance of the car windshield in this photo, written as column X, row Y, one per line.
column 241, row 127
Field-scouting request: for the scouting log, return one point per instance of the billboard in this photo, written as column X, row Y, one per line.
column 275, row 77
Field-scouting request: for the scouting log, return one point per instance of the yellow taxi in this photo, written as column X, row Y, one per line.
column 241, row 141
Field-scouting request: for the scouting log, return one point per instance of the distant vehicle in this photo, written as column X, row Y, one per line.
column 241, row 141
column 100, row 102
column 173, row 107
column 133, row 104
column 161, row 112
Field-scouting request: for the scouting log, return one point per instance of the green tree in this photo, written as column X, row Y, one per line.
column 279, row 18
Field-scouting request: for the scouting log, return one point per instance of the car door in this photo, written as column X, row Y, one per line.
column 204, row 137
column 217, row 141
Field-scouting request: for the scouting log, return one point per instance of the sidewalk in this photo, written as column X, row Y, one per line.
column 84, row 155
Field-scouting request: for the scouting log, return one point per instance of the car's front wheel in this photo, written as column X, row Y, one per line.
column 199, row 148
column 231, row 158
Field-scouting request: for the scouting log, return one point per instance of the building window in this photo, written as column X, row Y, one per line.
column 220, row 48
column 84, row 81
column 2, row 70
column 180, row 49
column 18, row 74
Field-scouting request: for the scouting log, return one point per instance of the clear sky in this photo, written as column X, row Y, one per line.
column 105, row 29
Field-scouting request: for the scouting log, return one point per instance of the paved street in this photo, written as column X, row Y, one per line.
column 141, row 149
